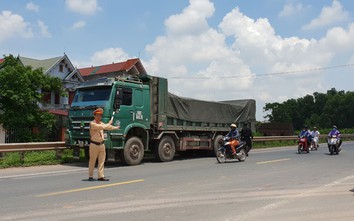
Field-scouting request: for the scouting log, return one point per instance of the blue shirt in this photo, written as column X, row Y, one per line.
column 305, row 133
column 233, row 133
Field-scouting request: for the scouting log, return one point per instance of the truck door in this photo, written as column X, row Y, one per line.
column 131, row 106
column 126, row 100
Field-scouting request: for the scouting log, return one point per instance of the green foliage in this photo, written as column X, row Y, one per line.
column 20, row 94
column 38, row 158
column 320, row 110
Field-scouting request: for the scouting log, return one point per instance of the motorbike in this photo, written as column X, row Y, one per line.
column 333, row 144
column 303, row 145
column 224, row 152
column 314, row 143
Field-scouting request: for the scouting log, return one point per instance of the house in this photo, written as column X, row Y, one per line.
column 62, row 68
column 131, row 67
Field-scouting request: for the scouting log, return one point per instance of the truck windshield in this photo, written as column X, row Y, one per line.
column 91, row 96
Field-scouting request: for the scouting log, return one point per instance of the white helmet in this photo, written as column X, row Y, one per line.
column 233, row 125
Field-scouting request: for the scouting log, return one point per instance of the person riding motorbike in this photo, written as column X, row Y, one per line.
column 316, row 135
column 306, row 133
column 335, row 132
column 233, row 138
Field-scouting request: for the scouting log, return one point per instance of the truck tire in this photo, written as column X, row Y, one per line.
column 133, row 152
column 216, row 144
column 165, row 150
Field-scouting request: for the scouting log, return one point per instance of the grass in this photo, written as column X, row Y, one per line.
column 36, row 158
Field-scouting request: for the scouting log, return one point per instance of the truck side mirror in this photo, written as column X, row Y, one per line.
column 118, row 99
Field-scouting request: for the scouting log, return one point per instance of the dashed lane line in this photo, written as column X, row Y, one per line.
column 273, row 161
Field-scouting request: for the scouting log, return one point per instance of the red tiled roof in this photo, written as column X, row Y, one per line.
column 2, row 60
column 109, row 68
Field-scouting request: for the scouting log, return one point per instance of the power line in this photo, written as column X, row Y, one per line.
column 269, row 74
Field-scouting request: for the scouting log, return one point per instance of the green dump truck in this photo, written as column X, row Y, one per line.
column 150, row 118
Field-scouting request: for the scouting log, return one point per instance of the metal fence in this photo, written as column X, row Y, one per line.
column 11, row 135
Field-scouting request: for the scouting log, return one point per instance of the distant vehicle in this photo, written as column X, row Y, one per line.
column 333, row 144
column 303, row 145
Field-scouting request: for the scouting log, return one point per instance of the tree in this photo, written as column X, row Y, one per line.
column 20, row 95
column 321, row 110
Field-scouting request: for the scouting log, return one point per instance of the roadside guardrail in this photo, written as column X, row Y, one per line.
column 60, row 145
column 33, row 146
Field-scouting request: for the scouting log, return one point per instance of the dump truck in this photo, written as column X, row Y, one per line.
column 150, row 118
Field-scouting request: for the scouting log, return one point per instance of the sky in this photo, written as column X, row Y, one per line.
column 214, row 50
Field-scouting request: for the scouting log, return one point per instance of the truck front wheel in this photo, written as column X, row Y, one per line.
column 165, row 151
column 133, row 152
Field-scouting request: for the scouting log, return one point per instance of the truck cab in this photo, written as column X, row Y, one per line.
column 126, row 101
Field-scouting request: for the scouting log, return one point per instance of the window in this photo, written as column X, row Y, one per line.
column 61, row 68
column 92, row 94
column 127, row 96
column 46, row 97
column 57, row 98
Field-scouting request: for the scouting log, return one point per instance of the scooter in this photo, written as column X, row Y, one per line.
column 303, row 145
column 314, row 143
column 224, row 152
column 333, row 144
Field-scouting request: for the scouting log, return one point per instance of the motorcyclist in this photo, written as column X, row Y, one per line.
column 316, row 134
column 247, row 136
column 306, row 133
column 233, row 136
column 335, row 132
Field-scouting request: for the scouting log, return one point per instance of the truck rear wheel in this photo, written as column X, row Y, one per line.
column 165, row 151
column 133, row 152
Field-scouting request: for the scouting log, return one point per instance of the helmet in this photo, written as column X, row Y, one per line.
column 334, row 126
column 315, row 128
column 98, row 111
column 233, row 125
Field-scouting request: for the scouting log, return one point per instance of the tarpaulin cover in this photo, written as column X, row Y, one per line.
column 210, row 111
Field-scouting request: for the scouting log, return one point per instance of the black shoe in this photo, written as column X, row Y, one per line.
column 90, row 179
column 103, row 179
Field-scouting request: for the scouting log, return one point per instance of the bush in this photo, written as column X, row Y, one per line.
column 36, row 158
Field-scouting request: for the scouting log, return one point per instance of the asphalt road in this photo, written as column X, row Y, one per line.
column 272, row 184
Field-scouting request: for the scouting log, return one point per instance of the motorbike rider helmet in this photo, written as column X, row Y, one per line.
column 233, row 126
column 315, row 128
column 334, row 127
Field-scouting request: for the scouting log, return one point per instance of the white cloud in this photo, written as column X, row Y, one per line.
column 43, row 29
column 291, row 9
column 13, row 25
column 32, row 7
column 193, row 53
column 192, row 19
column 190, row 57
column 332, row 15
column 86, row 7
column 109, row 55
column 78, row 25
